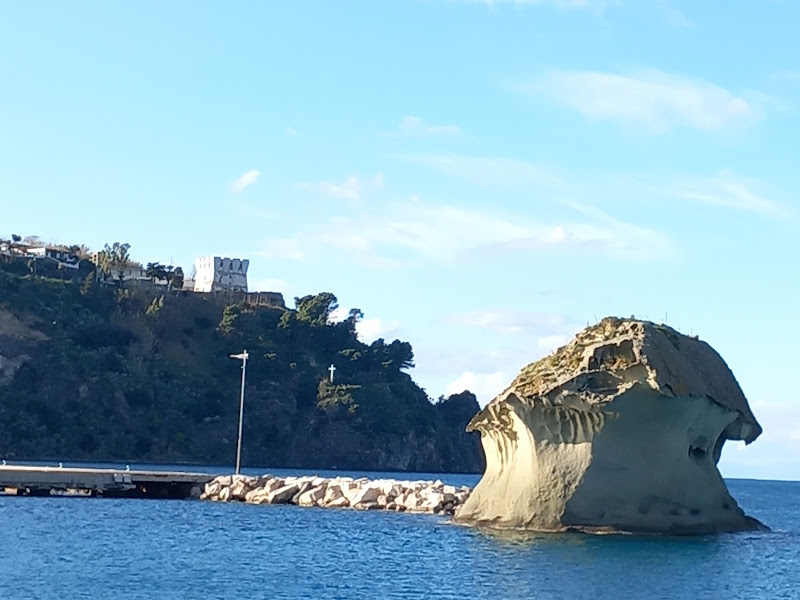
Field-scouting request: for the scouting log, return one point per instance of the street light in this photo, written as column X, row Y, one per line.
column 243, row 357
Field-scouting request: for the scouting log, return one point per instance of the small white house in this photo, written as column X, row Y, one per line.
column 63, row 257
column 131, row 271
column 214, row 273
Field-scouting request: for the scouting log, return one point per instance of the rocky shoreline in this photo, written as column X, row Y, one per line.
column 432, row 497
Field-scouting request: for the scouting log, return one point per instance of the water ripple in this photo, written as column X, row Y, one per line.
column 136, row 549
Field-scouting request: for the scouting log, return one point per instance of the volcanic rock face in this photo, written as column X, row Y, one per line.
column 619, row 430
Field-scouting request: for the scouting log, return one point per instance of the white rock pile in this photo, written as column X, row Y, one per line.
column 339, row 492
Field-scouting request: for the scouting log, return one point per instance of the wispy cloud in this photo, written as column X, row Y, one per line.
column 652, row 99
column 725, row 189
column 291, row 131
column 416, row 126
column 730, row 191
column 599, row 234
column 350, row 189
column 488, row 170
column 415, row 230
column 245, row 180
column 507, row 322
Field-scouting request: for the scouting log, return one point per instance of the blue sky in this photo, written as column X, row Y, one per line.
column 481, row 178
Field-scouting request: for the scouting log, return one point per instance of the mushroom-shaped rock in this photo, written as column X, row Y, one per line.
column 621, row 429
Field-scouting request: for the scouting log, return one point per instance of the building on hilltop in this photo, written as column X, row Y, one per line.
column 131, row 271
column 63, row 257
column 214, row 274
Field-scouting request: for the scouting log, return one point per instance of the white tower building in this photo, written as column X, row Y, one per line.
column 220, row 274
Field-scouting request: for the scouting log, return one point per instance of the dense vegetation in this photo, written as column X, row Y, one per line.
column 90, row 371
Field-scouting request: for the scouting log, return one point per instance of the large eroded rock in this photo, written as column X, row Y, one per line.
column 621, row 429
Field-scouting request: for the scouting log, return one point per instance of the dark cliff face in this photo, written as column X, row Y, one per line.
column 97, row 373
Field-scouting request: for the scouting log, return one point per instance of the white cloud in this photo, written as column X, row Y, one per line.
column 535, row 333
column 507, row 322
column 485, row 386
column 415, row 125
column 725, row 188
column 371, row 329
column 653, row 99
column 386, row 236
column 488, row 170
column 606, row 236
column 247, row 179
column 350, row 189
column 368, row 329
column 518, row 338
column 730, row 191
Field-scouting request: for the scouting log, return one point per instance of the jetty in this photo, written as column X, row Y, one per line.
column 109, row 483
column 339, row 492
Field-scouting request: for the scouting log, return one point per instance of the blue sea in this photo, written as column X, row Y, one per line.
column 66, row 548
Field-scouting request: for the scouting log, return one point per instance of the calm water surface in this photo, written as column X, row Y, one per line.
column 154, row 549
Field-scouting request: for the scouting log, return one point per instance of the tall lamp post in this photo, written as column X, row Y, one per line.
column 243, row 357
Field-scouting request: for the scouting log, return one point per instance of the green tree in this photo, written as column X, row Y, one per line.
column 227, row 325
column 176, row 281
column 157, row 272
column 16, row 238
column 398, row 355
column 354, row 316
column 113, row 259
column 316, row 309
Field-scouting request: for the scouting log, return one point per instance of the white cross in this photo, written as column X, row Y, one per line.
column 331, row 369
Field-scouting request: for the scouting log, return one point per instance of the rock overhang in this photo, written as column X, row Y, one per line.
column 605, row 360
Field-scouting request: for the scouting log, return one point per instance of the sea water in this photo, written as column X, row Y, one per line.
column 62, row 547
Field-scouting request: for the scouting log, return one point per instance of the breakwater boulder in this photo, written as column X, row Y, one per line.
column 619, row 430
column 339, row 492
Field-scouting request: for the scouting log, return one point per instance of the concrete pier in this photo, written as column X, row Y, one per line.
column 109, row 483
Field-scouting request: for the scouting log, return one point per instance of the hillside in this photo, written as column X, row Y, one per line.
column 97, row 372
